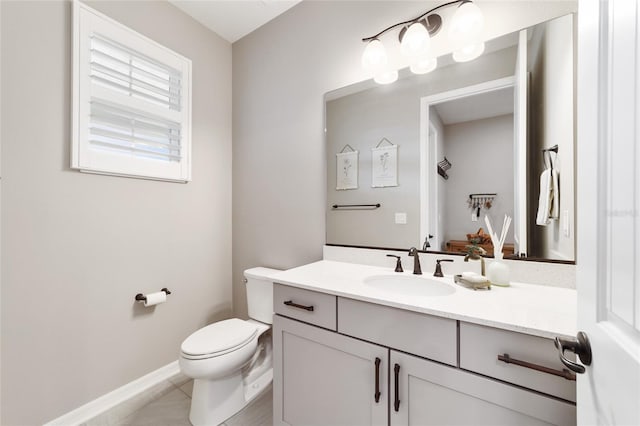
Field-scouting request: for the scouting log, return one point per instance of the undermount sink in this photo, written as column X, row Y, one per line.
column 409, row 284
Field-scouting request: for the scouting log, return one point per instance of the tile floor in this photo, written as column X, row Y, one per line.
column 172, row 409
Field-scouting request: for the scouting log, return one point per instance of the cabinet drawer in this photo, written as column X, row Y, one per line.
column 423, row 335
column 480, row 347
column 305, row 305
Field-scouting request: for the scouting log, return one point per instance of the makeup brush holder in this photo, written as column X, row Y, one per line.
column 498, row 271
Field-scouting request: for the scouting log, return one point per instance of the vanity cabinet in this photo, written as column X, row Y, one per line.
column 323, row 378
column 429, row 393
column 387, row 366
column 305, row 305
column 480, row 347
column 423, row 335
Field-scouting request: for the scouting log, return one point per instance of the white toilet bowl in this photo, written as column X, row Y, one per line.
column 218, row 357
column 231, row 360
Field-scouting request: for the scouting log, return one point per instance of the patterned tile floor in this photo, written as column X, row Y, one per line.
column 172, row 409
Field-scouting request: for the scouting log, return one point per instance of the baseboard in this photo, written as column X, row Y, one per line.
column 120, row 403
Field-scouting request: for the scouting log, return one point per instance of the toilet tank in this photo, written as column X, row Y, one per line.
column 260, row 293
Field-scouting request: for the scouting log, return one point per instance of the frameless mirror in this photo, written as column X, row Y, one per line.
column 422, row 161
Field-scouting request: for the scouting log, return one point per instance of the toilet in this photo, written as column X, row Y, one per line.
column 231, row 360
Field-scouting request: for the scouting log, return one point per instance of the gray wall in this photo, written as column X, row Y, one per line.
column 362, row 120
column 481, row 152
column 76, row 247
column 553, row 103
column 281, row 72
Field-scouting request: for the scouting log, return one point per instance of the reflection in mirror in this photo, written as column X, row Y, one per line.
column 487, row 123
column 473, row 129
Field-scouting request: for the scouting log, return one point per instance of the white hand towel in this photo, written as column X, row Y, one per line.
column 554, row 212
column 548, row 202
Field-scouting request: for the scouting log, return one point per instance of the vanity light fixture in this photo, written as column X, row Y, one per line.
column 465, row 35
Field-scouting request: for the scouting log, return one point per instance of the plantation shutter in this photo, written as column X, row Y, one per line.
column 133, row 107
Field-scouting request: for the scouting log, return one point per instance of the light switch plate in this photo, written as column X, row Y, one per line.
column 401, row 218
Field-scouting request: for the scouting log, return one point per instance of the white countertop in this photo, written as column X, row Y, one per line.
column 526, row 308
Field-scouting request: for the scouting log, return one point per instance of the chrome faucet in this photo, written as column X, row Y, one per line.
column 475, row 253
column 416, row 262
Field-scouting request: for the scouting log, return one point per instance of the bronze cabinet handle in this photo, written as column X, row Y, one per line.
column 396, row 374
column 377, row 394
column 295, row 305
column 564, row 373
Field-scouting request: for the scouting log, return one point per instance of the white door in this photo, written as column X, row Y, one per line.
column 520, row 147
column 608, row 255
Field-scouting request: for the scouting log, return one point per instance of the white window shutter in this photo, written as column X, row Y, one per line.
column 117, row 129
column 131, row 102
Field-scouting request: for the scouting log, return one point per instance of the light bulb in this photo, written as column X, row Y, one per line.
column 415, row 41
column 467, row 25
column 374, row 57
column 424, row 65
column 469, row 52
column 387, row 76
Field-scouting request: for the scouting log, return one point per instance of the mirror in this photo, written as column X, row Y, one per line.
column 422, row 161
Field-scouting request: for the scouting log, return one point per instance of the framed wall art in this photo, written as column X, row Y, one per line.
column 384, row 164
column 347, row 168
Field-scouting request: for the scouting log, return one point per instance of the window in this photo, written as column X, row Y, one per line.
column 131, row 102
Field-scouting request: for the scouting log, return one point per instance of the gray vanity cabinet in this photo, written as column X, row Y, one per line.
column 323, row 378
column 430, row 393
column 339, row 361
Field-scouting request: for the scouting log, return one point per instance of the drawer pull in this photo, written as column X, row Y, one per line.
column 564, row 373
column 396, row 373
column 377, row 394
column 295, row 305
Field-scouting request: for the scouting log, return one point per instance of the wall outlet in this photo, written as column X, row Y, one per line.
column 401, row 218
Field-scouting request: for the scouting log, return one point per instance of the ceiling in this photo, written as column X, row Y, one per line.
column 234, row 19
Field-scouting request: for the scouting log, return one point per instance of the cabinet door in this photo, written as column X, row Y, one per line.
column 433, row 394
column 324, row 378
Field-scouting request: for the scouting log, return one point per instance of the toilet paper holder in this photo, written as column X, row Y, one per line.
column 142, row 298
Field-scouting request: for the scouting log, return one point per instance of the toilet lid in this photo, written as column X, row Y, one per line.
column 221, row 336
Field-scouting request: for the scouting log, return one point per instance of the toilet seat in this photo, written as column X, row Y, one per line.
column 218, row 339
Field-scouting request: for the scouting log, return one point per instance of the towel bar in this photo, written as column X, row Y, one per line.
column 351, row 206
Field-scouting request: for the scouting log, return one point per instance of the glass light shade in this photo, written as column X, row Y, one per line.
column 387, row 76
column 424, row 65
column 374, row 57
column 469, row 52
column 467, row 24
column 415, row 41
